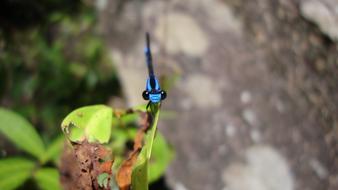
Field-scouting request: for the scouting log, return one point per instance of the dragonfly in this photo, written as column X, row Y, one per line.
column 153, row 91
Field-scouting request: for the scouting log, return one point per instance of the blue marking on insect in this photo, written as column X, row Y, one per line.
column 155, row 98
column 146, row 50
column 153, row 91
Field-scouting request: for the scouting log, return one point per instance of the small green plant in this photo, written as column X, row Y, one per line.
column 44, row 67
column 15, row 171
column 110, row 131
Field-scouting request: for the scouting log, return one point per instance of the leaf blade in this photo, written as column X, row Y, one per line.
column 139, row 176
column 140, row 169
column 53, row 150
column 14, row 172
column 48, row 179
column 21, row 133
column 163, row 154
column 150, row 136
column 92, row 123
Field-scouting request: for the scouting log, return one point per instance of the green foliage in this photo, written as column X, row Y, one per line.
column 103, row 180
column 150, row 168
column 87, row 123
column 139, row 176
column 149, row 140
column 91, row 123
column 163, row 154
column 47, row 179
column 53, row 150
column 146, row 170
column 15, row 171
column 140, row 169
column 21, row 133
column 48, row 70
column 93, row 120
column 52, row 60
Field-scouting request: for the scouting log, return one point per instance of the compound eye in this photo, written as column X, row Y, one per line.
column 163, row 95
column 145, row 95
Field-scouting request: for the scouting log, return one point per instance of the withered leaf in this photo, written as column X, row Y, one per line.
column 123, row 177
column 81, row 166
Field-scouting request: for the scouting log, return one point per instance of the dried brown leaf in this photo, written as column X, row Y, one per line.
column 123, row 177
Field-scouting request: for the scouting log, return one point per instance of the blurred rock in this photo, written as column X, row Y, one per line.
column 221, row 91
column 318, row 167
column 245, row 97
column 324, row 14
column 186, row 36
column 256, row 136
column 230, row 130
column 180, row 186
column 221, row 17
column 266, row 169
column 101, row 4
column 250, row 117
column 202, row 91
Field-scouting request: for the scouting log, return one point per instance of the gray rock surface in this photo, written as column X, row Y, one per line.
column 324, row 13
column 186, row 37
column 265, row 169
column 235, row 127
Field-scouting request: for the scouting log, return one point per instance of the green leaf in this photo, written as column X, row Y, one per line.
column 129, row 118
column 48, row 179
column 14, row 172
column 150, row 136
column 139, row 176
column 142, row 108
column 20, row 132
column 163, row 154
column 105, row 180
column 102, row 180
column 92, row 123
column 119, row 138
column 53, row 150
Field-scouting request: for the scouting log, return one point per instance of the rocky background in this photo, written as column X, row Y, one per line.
column 256, row 99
